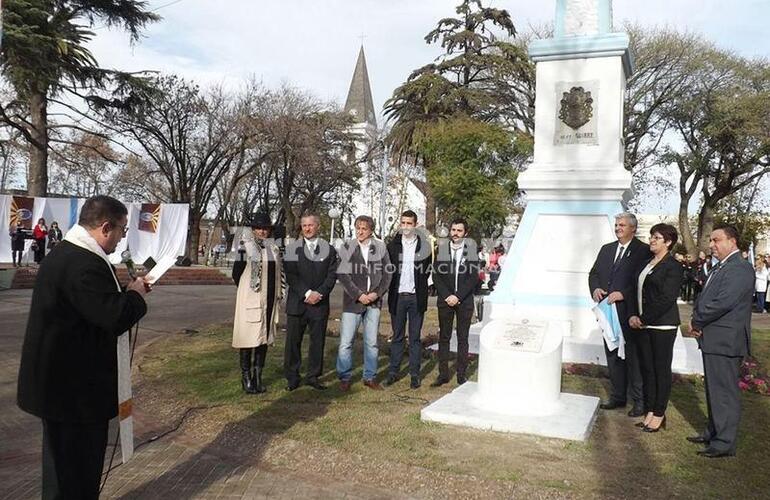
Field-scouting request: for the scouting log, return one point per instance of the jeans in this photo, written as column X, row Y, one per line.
column 348, row 327
column 760, row 301
column 406, row 308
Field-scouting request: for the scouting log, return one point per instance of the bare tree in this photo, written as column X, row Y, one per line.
column 190, row 137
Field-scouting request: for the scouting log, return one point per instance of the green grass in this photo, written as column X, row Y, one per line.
column 617, row 460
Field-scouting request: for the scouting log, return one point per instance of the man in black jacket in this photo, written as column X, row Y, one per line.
column 411, row 254
column 69, row 371
column 456, row 275
column 721, row 321
column 612, row 276
column 311, row 273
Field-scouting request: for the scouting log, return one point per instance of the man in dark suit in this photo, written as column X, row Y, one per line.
column 311, row 273
column 68, row 374
column 612, row 276
column 721, row 321
column 411, row 254
column 456, row 275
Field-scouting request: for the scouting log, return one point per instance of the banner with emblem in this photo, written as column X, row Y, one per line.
column 149, row 217
column 21, row 211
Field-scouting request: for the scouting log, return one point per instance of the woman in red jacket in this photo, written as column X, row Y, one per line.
column 39, row 234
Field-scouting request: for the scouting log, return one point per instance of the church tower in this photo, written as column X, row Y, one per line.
column 383, row 190
column 359, row 103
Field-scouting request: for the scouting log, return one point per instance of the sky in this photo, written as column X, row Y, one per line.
column 313, row 44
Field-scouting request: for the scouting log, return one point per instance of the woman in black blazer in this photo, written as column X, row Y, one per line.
column 656, row 322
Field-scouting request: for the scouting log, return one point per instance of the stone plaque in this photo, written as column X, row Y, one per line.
column 576, row 113
column 524, row 336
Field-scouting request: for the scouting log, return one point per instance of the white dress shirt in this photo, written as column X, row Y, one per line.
column 406, row 281
column 365, row 246
column 311, row 245
column 457, row 255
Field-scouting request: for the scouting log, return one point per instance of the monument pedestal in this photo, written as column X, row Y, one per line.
column 519, row 387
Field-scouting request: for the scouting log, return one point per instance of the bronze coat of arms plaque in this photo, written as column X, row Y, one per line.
column 576, row 113
column 576, row 107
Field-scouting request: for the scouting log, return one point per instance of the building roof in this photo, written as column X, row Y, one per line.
column 359, row 102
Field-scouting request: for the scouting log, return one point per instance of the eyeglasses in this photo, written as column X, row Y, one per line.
column 123, row 228
column 656, row 238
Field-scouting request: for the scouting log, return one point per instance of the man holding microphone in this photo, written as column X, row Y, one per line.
column 69, row 365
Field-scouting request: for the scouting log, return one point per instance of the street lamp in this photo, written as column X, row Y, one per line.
column 333, row 214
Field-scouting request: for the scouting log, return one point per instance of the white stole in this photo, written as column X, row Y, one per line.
column 80, row 237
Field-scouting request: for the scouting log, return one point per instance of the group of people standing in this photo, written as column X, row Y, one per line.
column 367, row 269
column 644, row 283
column 43, row 238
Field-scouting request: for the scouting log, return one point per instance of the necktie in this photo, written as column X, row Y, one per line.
column 620, row 254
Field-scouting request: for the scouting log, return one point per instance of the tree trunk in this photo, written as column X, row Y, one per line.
column 194, row 235
column 37, row 177
column 705, row 226
column 430, row 209
column 684, row 228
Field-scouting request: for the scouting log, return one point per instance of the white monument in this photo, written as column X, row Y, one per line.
column 574, row 188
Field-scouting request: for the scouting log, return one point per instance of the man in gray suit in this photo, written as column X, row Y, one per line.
column 365, row 272
column 721, row 321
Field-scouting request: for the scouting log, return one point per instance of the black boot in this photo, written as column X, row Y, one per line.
column 247, row 381
column 259, row 364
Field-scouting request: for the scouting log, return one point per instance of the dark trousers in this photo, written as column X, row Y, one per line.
column 446, row 318
column 723, row 400
column 40, row 252
column 14, row 254
column 760, row 296
column 73, row 457
column 625, row 374
column 292, row 358
column 406, row 308
column 656, row 350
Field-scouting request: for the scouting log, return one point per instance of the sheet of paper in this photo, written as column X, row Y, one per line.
column 160, row 268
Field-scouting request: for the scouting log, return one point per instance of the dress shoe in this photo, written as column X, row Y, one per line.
column 712, row 453
column 636, row 411
column 344, row 385
column 439, row 382
column 662, row 425
column 315, row 384
column 392, row 379
column 640, row 424
column 292, row 386
column 372, row 384
column 698, row 439
column 461, row 379
column 611, row 405
column 415, row 383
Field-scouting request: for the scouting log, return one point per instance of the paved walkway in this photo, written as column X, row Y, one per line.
column 178, row 465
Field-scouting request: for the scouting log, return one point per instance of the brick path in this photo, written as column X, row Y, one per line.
column 175, row 466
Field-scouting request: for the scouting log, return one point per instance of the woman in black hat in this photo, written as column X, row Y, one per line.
column 260, row 289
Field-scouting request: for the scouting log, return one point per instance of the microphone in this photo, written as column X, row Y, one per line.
column 125, row 258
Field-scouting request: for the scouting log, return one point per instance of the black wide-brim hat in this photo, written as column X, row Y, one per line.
column 260, row 220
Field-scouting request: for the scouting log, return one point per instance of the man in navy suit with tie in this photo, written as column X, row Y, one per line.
column 311, row 273
column 721, row 321
column 612, row 276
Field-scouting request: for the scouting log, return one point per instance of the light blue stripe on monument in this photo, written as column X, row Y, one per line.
column 503, row 293
column 605, row 16
column 73, row 211
column 561, row 13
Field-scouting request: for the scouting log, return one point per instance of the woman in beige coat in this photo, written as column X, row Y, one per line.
column 260, row 281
